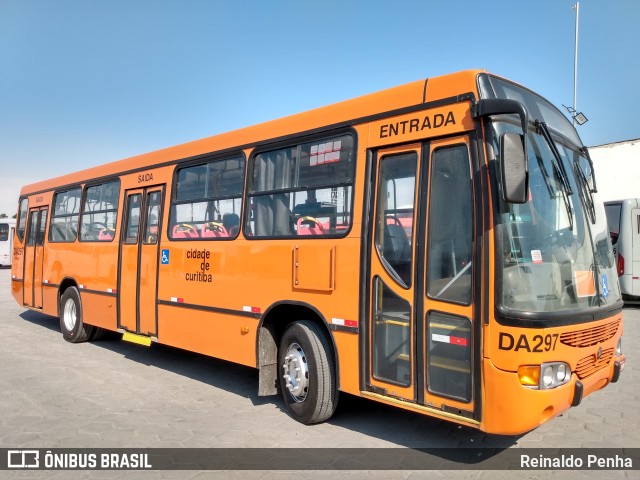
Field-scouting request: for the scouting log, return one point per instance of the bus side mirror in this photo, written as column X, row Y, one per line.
column 513, row 151
column 515, row 175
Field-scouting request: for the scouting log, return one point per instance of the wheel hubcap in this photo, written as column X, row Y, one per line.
column 296, row 372
column 69, row 314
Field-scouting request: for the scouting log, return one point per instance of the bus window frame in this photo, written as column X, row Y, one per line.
column 195, row 162
column 86, row 187
column 52, row 215
column 19, row 217
column 299, row 140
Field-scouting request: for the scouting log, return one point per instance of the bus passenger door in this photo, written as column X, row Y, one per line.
column 447, row 262
column 419, row 339
column 391, row 340
column 139, row 249
column 34, row 257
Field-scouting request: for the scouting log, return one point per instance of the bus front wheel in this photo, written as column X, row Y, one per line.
column 307, row 373
column 73, row 329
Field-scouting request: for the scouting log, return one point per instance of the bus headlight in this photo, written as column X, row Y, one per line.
column 545, row 376
column 561, row 373
column 619, row 348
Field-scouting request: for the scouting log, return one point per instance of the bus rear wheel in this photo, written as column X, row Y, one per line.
column 73, row 329
column 307, row 373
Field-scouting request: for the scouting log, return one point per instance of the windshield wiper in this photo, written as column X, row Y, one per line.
column 587, row 155
column 559, row 169
column 586, row 194
column 557, row 165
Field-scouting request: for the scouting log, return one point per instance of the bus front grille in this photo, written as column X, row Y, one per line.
column 591, row 364
column 590, row 336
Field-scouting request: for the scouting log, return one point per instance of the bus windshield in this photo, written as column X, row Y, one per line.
column 554, row 251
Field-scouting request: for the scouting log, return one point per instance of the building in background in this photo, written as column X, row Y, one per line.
column 617, row 167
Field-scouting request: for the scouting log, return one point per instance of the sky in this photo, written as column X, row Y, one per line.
column 86, row 82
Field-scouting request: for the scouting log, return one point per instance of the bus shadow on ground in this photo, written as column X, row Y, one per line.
column 451, row 442
column 37, row 318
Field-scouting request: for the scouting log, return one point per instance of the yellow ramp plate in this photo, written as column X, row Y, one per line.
column 139, row 339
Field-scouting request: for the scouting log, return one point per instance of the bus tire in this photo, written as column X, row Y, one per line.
column 307, row 375
column 73, row 329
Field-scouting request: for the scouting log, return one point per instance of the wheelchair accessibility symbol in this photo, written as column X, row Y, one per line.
column 604, row 285
column 165, row 257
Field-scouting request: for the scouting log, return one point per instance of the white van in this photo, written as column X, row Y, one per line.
column 7, row 229
column 623, row 217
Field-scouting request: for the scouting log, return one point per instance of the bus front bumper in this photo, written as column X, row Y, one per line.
column 578, row 393
column 535, row 406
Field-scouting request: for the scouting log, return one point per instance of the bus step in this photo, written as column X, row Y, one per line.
column 134, row 338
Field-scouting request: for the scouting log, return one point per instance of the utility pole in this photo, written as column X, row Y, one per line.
column 577, row 117
column 575, row 63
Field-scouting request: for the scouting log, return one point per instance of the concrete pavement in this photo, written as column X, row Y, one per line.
column 112, row 394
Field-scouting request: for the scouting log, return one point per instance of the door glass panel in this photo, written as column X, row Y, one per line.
column 450, row 226
column 394, row 214
column 42, row 226
column 153, row 212
column 391, row 336
column 133, row 219
column 449, row 357
column 33, row 226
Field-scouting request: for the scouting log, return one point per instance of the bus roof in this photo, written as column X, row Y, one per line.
column 635, row 201
column 359, row 108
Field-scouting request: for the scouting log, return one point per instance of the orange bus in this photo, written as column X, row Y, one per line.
column 436, row 246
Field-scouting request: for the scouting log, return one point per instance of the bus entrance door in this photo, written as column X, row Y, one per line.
column 139, row 251
column 34, row 256
column 420, row 341
column 392, row 340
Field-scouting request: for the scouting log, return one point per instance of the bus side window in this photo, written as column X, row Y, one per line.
column 303, row 190
column 208, row 200
column 22, row 218
column 65, row 215
column 99, row 212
